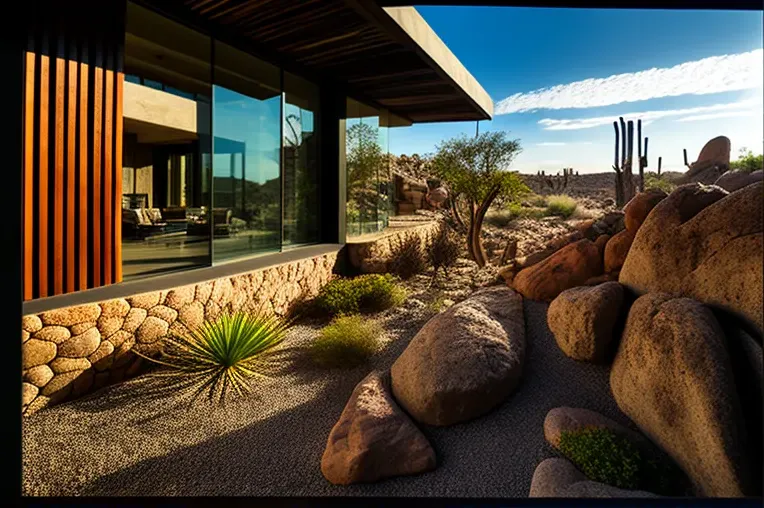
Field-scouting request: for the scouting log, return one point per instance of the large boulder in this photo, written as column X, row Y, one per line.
column 616, row 250
column 672, row 376
column 582, row 320
column 374, row 439
column 464, row 361
column 558, row 477
column 716, row 150
column 736, row 180
column 569, row 267
column 712, row 162
column 706, row 244
column 637, row 210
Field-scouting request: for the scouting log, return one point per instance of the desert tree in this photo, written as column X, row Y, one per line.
column 476, row 170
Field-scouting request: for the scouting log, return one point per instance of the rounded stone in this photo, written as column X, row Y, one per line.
column 203, row 292
column 61, row 384
column 134, row 319
column 179, row 297
column 211, row 310
column 144, row 301
column 61, row 364
column 39, row 376
column 640, row 207
column 25, row 336
column 192, row 315
column 104, row 350
column 178, row 329
column 55, row 334
column 69, row 316
column 222, row 292
column 31, row 323
column 151, row 330
column 109, row 325
column 120, row 337
column 28, row 393
column 40, row 402
column 167, row 314
column 115, row 308
column 37, row 352
column 81, row 345
column 81, row 328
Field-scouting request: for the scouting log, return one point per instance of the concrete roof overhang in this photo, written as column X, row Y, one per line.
column 389, row 57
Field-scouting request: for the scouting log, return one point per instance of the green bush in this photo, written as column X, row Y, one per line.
column 365, row 293
column 602, row 456
column 511, row 211
column 561, row 205
column 221, row 355
column 346, row 342
column 653, row 181
column 606, row 457
column 407, row 258
column 747, row 161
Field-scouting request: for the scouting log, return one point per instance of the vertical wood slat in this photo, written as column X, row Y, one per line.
column 58, row 181
column 83, row 173
column 71, row 153
column 29, row 102
column 42, row 178
column 108, row 239
column 97, row 94
column 118, row 121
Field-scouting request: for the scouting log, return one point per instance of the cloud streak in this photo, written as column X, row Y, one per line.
column 723, row 114
column 648, row 116
column 714, row 74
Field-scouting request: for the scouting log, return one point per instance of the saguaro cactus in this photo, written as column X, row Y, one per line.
column 617, row 168
column 660, row 159
column 642, row 157
column 624, row 175
column 684, row 152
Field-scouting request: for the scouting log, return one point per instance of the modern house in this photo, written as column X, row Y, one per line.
column 172, row 145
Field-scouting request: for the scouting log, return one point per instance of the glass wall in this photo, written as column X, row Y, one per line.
column 300, row 158
column 166, row 167
column 369, row 199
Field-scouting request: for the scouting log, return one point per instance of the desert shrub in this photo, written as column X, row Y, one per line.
column 502, row 217
column 365, row 293
column 407, row 258
column 653, row 181
column 606, row 457
column 346, row 342
column 747, row 161
column 443, row 249
column 537, row 201
column 561, row 205
column 221, row 355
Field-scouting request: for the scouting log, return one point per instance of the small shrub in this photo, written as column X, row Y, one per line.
column 603, row 456
column 561, row 205
column 365, row 293
column 538, row 201
column 346, row 342
column 223, row 354
column 443, row 249
column 407, row 258
column 747, row 161
column 608, row 458
column 653, row 181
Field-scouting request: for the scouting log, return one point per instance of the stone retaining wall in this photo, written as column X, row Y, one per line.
column 372, row 256
column 71, row 351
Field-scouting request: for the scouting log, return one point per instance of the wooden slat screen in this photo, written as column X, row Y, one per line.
column 72, row 170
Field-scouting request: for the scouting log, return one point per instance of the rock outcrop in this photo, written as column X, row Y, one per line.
column 736, row 180
column 374, row 439
column 569, row 267
column 464, row 361
column 712, row 162
column 672, row 376
column 637, row 210
column 703, row 243
column 582, row 320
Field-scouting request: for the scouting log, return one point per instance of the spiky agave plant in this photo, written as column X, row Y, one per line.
column 222, row 354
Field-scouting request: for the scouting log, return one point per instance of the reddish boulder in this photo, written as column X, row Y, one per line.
column 617, row 249
column 640, row 206
column 569, row 267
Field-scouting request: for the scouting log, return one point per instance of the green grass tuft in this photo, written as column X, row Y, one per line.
column 561, row 205
column 346, row 342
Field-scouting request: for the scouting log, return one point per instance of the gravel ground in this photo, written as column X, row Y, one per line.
column 121, row 441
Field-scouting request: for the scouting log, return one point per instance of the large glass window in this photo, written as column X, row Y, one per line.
column 167, row 143
column 246, row 155
column 369, row 200
column 301, row 213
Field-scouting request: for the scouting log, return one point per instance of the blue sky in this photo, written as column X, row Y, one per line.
column 519, row 54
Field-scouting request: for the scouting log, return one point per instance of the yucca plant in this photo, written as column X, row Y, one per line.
column 223, row 354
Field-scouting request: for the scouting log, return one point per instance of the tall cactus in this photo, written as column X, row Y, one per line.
column 660, row 160
column 617, row 168
column 641, row 157
column 624, row 173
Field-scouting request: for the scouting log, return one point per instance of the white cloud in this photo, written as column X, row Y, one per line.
column 549, row 143
column 723, row 114
column 646, row 116
column 714, row 74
